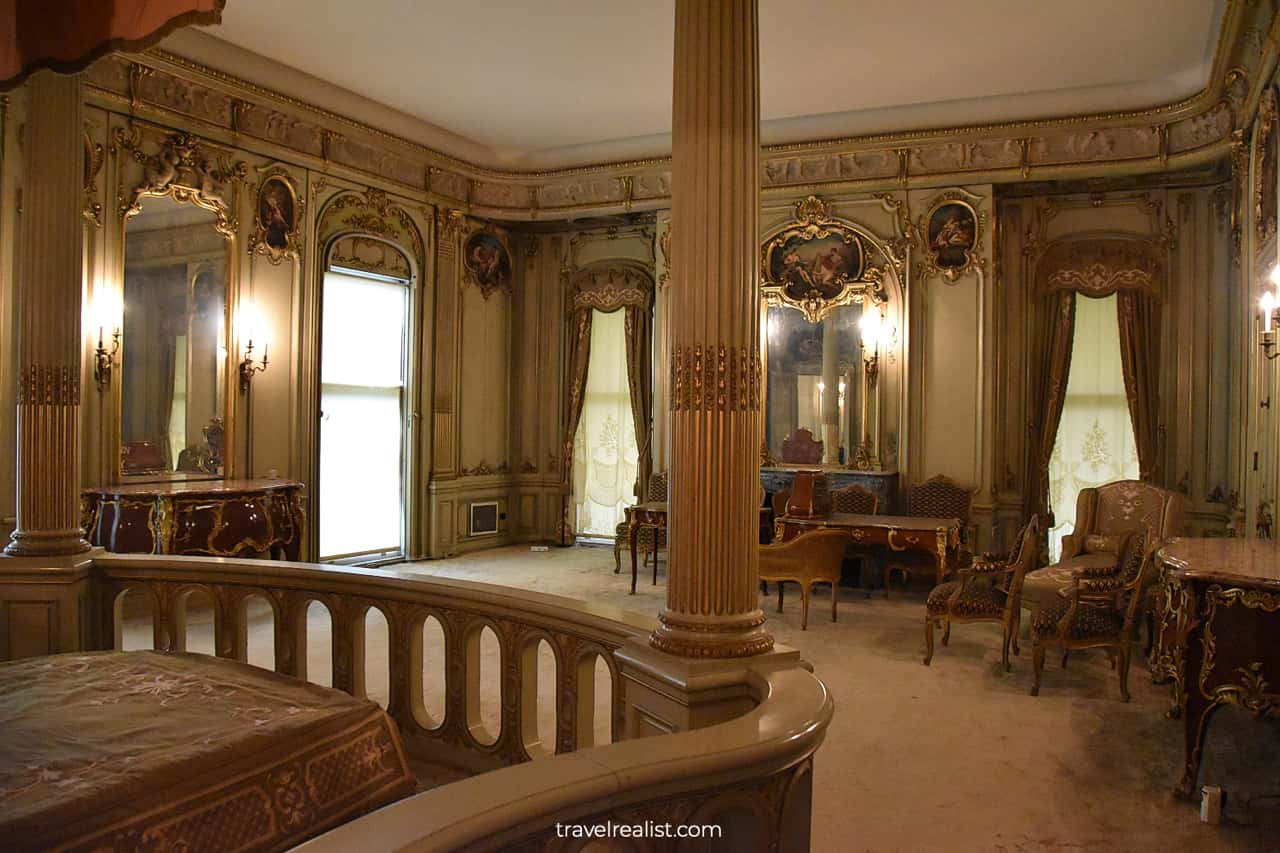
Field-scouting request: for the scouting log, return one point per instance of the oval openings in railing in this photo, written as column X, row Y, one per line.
column 377, row 657
column 260, row 631
column 319, row 645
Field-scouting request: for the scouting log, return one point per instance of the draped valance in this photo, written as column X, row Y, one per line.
column 610, row 287
column 1101, row 267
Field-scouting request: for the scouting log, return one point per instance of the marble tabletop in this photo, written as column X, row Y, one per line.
column 1239, row 562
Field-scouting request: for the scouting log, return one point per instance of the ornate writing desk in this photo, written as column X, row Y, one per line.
column 1219, row 633
column 938, row 537
column 221, row 518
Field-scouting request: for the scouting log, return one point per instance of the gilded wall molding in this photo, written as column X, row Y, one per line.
column 371, row 212
column 1193, row 130
column 185, row 168
column 367, row 254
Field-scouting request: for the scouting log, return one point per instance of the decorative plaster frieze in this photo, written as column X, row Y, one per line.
column 1181, row 134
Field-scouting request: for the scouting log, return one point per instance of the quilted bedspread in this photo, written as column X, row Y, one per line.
column 115, row 751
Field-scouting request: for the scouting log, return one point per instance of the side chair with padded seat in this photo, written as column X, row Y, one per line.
column 1078, row 621
column 988, row 591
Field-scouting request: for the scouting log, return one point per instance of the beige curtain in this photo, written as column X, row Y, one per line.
column 579, row 360
column 1095, row 442
column 639, row 330
column 1139, row 318
column 1055, row 329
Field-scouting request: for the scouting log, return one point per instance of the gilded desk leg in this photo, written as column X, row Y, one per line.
column 942, row 555
column 631, row 535
column 1195, row 720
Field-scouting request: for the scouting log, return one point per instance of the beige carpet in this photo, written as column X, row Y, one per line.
column 954, row 756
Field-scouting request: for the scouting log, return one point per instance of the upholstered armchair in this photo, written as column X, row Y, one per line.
column 1106, row 518
column 648, row 540
column 938, row 497
column 855, row 499
column 809, row 559
column 1098, row 612
column 990, row 590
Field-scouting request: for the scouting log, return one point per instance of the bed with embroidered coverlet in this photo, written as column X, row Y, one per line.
column 174, row 751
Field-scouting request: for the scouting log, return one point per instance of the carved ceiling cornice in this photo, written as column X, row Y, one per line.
column 1181, row 135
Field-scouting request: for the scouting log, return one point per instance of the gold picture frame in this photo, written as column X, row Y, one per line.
column 950, row 234
column 817, row 264
column 486, row 257
column 277, row 217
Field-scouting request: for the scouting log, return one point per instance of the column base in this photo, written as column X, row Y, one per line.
column 667, row 693
column 47, row 543
column 695, row 636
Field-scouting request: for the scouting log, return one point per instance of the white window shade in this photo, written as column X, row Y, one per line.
column 362, row 367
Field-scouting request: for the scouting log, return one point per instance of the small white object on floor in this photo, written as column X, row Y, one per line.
column 1211, row 801
column 539, row 547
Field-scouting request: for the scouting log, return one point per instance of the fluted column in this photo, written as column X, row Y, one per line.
column 50, row 280
column 713, row 336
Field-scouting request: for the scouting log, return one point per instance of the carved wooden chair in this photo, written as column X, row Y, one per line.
column 649, row 541
column 811, row 558
column 801, row 447
column 988, row 591
column 1072, row 622
column 855, row 499
column 938, row 497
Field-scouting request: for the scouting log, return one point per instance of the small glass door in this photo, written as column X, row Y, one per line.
column 363, row 371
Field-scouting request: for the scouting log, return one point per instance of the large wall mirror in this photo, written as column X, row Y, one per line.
column 174, row 349
column 815, row 386
column 828, row 338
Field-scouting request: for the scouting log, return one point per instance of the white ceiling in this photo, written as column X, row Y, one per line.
column 552, row 83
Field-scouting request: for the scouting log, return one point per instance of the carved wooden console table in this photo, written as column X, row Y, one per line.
column 937, row 537
column 220, row 518
column 1219, row 636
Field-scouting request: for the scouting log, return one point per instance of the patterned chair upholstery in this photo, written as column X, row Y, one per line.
column 1106, row 517
column 988, row 591
column 1109, row 620
column 938, row 497
column 648, row 540
column 811, row 558
column 855, row 499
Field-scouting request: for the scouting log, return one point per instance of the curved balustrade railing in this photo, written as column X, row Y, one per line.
column 576, row 632
column 750, row 776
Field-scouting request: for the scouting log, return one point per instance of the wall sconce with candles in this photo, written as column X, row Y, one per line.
column 875, row 331
column 251, row 325
column 1270, row 305
column 104, row 359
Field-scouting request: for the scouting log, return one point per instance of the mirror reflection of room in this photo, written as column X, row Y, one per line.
column 815, row 385
column 173, row 352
